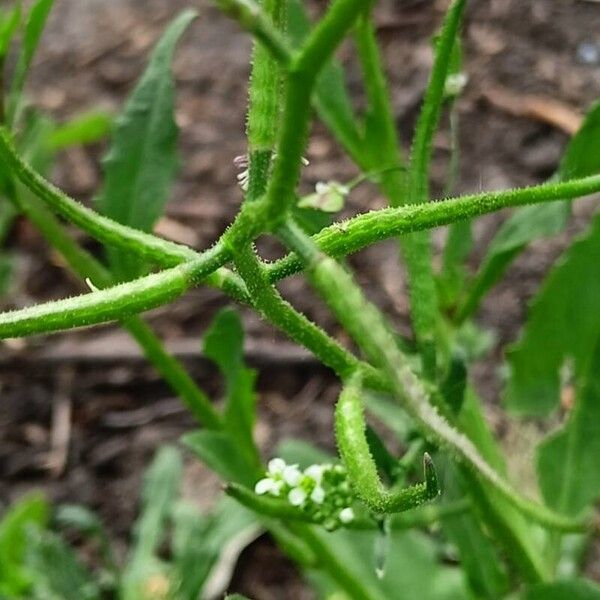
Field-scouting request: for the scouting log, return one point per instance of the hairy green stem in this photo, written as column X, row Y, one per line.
column 367, row 327
column 365, row 229
column 362, row 469
column 251, row 17
column 102, row 228
column 267, row 300
column 113, row 303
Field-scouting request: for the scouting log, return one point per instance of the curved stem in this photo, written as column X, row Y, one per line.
column 112, row 303
column 341, row 239
column 145, row 245
column 355, row 452
column 267, row 300
column 366, row 325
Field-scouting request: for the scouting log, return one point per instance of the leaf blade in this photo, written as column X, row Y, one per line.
column 142, row 161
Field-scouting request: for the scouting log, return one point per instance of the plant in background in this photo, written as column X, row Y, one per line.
column 388, row 541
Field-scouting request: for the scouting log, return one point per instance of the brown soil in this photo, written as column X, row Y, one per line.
column 120, row 410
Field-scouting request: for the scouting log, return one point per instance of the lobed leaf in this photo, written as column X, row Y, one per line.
column 86, row 128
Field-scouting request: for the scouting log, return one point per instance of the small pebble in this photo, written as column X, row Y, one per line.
column 588, row 53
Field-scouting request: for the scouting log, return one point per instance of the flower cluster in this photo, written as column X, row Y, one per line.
column 322, row 492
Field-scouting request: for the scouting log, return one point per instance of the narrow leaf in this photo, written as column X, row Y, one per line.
column 34, row 27
column 83, row 129
column 141, row 164
column 577, row 589
column 582, row 157
column 224, row 344
column 9, row 21
column 161, row 486
column 221, row 454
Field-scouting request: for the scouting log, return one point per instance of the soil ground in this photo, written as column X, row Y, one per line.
column 540, row 53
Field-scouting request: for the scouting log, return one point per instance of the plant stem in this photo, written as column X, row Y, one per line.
column 341, row 239
column 87, row 266
column 366, row 325
column 102, row 228
column 113, row 303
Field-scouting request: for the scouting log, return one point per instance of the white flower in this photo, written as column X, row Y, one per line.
column 276, row 466
column 318, row 495
column 292, row 475
column 264, row 486
column 328, row 197
column 455, row 84
column 315, row 472
column 346, row 515
column 297, row 496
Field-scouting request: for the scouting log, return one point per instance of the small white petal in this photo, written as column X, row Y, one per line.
column 346, row 515
column 292, row 475
column 276, row 466
column 315, row 472
column 297, row 496
column 318, row 495
column 264, row 486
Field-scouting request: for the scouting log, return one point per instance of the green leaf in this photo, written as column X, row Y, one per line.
column 224, row 344
column 192, row 558
column 451, row 280
column 56, row 572
column 88, row 524
column 302, row 453
column 34, row 27
column 142, row 161
column 525, row 225
column 31, row 510
column 161, row 487
column 413, row 568
column 9, row 22
column 567, row 461
column 203, row 547
column 581, row 158
column 576, row 589
column 219, row 452
column 331, row 96
column 87, row 128
column 478, row 556
column 562, row 328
